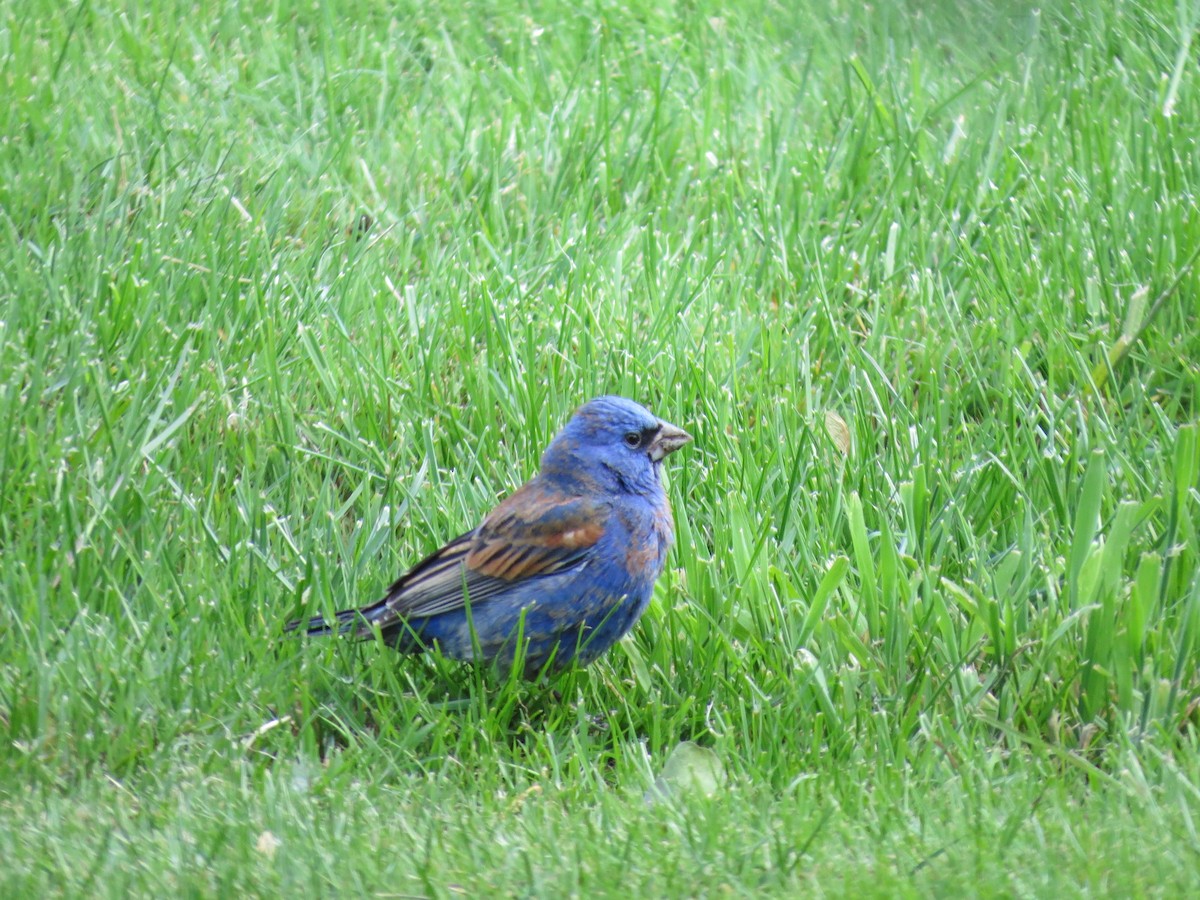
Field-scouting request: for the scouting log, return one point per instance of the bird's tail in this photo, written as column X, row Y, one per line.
column 346, row 621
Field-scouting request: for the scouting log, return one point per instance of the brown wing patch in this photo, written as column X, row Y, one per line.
column 534, row 532
column 583, row 536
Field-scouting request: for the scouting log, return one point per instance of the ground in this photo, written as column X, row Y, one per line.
column 292, row 293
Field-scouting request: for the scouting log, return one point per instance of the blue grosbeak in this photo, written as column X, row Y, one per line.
column 568, row 562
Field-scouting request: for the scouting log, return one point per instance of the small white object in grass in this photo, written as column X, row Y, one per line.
column 839, row 431
column 267, row 844
column 263, row 729
column 689, row 769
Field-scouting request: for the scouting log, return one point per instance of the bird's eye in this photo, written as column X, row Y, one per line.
column 633, row 439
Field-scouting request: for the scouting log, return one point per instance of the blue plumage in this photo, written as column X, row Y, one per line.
column 569, row 559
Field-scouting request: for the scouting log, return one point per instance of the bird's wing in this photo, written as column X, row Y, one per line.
column 534, row 532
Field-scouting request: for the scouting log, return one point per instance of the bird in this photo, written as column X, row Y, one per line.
column 559, row 571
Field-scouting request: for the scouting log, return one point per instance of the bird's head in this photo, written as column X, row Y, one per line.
column 615, row 442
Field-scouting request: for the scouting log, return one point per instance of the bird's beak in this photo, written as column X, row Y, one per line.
column 668, row 440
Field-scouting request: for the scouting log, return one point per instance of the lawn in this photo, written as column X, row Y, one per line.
column 292, row 293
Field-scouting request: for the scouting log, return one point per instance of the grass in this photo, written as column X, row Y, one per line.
column 290, row 295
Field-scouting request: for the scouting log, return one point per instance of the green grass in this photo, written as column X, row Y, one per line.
column 291, row 293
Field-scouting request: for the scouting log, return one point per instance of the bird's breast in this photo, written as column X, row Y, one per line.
column 650, row 533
